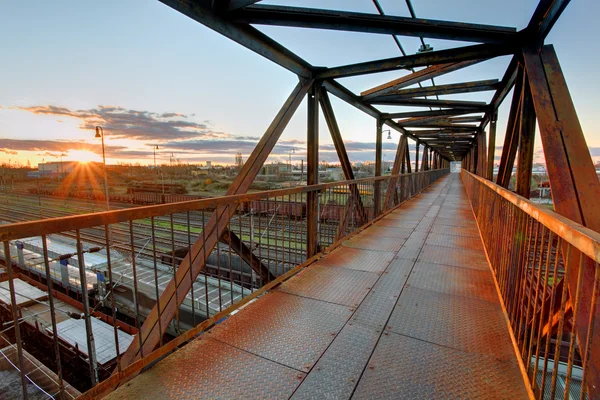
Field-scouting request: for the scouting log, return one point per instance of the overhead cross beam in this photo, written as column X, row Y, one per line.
column 416, row 77
column 392, row 100
column 231, row 5
column 468, row 53
column 432, row 113
column 372, row 23
column 454, row 88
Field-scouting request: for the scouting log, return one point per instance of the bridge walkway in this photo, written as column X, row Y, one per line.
column 406, row 309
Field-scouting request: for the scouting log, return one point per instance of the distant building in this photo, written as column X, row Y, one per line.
column 56, row 168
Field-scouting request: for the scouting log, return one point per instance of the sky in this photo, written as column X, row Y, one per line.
column 153, row 77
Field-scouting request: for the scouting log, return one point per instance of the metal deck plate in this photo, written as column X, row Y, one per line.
column 400, row 223
column 360, row 259
column 378, row 305
column 456, row 221
column 399, row 232
column 458, row 322
column 284, row 328
column 337, row 372
column 209, row 369
column 406, row 215
column 425, row 224
column 406, row 368
column 457, row 258
column 454, row 280
column 369, row 241
column 342, row 286
column 454, row 242
column 412, row 247
column 455, row 230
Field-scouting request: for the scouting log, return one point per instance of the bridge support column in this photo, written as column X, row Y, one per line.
column 574, row 184
column 526, row 139
column 312, row 175
column 511, row 140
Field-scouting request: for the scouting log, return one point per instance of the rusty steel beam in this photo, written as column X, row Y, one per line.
column 340, row 148
column 453, row 88
column 416, row 77
column 481, row 155
column 370, row 23
column 231, row 5
column 245, row 35
column 180, row 285
column 492, row 147
column 398, row 161
column 511, row 139
column 417, row 157
column 427, row 114
column 504, row 87
column 468, row 53
column 246, row 254
column 526, row 141
column 417, row 121
column 391, row 100
column 456, row 127
column 573, row 181
column 544, row 17
column 312, row 172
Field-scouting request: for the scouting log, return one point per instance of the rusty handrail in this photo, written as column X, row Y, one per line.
column 584, row 239
column 25, row 229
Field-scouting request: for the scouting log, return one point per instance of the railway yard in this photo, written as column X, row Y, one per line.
column 126, row 266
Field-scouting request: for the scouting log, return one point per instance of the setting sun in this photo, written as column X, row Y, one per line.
column 84, row 156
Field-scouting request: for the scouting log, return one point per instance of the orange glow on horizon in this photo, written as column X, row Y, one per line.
column 83, row 156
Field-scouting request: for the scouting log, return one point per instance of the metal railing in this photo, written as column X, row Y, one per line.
column 82, row 285
column 547, row 272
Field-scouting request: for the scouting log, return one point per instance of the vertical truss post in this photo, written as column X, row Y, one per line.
column 573, row 181
column 398, row 161
column 526, row 139
column 511, row 140
column 408, row 166
column 491, row 156
column 312, row 175
column 417, row 157
column 191, row 266
column 481, row 154
column 425, row 159
column 378, row 154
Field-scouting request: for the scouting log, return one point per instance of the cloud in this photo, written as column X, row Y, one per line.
column 119, row 122
column 9, row 151
column 53, row 145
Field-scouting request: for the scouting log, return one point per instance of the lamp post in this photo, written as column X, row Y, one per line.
column 101, row 136
column 155, row 147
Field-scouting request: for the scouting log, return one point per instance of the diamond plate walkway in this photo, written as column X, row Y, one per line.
column 406, row 309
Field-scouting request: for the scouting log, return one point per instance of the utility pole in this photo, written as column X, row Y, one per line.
column 101, row 135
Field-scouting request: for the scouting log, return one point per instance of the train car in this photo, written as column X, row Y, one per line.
column 269, row 207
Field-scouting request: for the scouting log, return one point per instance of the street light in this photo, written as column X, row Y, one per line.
column 155, row 147
column 101, row 136
column 389, row 133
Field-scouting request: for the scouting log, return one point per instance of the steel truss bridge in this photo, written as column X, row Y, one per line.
column 422, row 284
